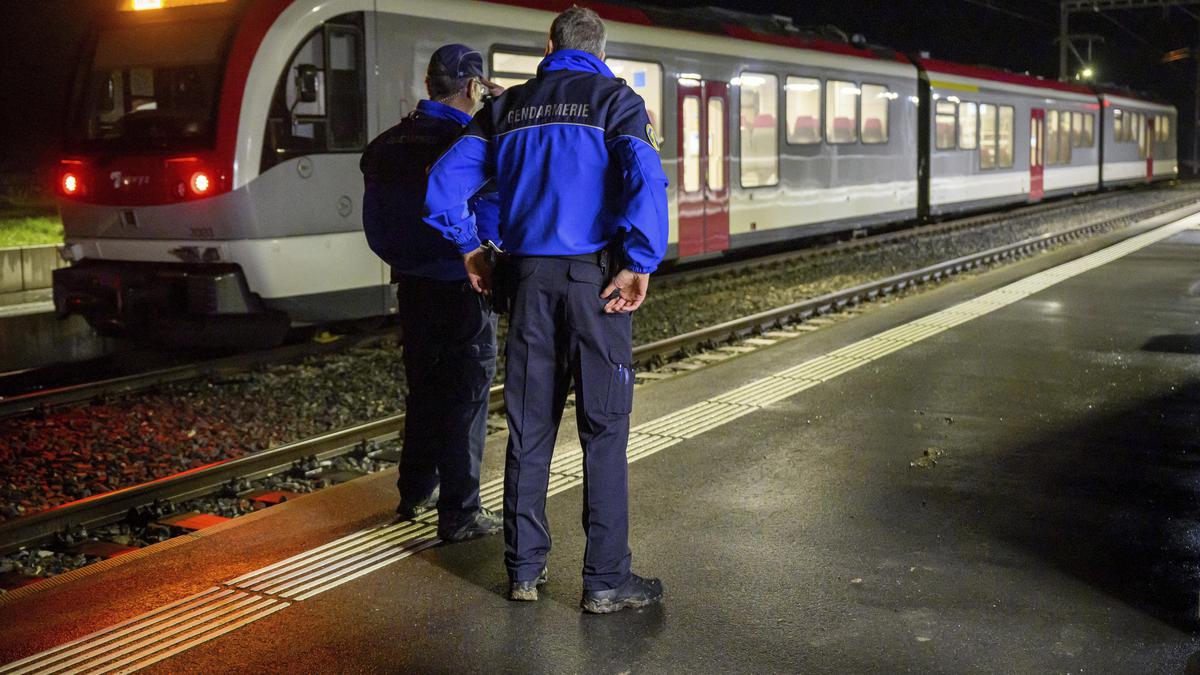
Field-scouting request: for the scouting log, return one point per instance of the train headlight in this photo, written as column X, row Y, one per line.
column 200, row 183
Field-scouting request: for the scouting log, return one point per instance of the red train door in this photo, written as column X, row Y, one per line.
column 1037, row 153
column 703, row 167
column 1149, row 141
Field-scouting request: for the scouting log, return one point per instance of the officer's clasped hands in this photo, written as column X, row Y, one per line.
column 479, row 270
column 633, row 287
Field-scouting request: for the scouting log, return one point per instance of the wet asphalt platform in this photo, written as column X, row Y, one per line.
column 1019, row 493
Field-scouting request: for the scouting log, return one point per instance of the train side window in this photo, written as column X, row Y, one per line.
column 803, row 109
column 1089, row 130
column 345, row 89
column 1118, row 125
column 1165, row 123
column 645, row 78
column 876, row 99
column 945, row 119
column 1004, row 138
column 1143, row 138
column 513, row 68
column 1064, row 137
column 841, row 111
column 759, row 101
column 968, row 121
column 1051, row 137
column 320, row 101
column 716, row 144
column 987, row 136
column 691, row 143
column 1076, row 129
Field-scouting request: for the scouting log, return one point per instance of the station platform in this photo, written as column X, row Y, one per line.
column 1001, row 474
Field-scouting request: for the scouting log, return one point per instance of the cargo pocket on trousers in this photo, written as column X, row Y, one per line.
column 620, row 384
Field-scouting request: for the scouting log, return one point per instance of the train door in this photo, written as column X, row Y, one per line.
column 703, row 167
column 1148, row 145
column 1037, row 153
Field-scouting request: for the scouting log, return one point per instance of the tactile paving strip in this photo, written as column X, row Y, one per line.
column 173, row 628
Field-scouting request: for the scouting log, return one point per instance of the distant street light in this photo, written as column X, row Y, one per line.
column 1086, row 74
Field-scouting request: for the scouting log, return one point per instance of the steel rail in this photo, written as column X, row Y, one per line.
column 111, row 506
column 21, row 404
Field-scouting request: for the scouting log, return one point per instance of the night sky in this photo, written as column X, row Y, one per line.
column 43, row 37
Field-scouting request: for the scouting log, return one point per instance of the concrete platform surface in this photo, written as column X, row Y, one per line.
column 988, row 477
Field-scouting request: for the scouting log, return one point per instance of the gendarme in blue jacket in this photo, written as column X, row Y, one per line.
column 394, row 170
column 573, row 155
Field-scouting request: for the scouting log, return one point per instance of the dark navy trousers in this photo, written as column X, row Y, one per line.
column 559, row 333
column 449, row 363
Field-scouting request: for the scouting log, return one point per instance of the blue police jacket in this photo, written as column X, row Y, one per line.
column 395, row 167
column 575, row 161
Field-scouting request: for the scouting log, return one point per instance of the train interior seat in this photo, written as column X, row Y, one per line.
column 806, row 129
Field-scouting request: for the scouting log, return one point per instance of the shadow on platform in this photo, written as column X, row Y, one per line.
column 1116, row 503
column 1173, row 344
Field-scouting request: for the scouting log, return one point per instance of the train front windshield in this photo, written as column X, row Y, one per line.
column 153, row 86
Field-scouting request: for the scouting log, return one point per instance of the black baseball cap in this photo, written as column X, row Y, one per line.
column 456, row 61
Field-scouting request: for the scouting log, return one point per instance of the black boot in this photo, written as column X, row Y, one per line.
column 407, row 511
column 526, row 591
column 479, row 524
column 635, row 592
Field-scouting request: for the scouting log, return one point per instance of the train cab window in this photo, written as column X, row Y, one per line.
column 987, row 136
column 716, row 144
column 152, row 86
column 645, row 78
column 513, row 68
column 945, row 119
column 841, row 111
column 1065, row 133
column 1051, row 137
column 968, row 121
column 320, row 101
column 1163, row 128
column 691, row 143
column 1089, row 131
column 803, row 108
column 1005, row 143
column 759, row 101
column 876, row 99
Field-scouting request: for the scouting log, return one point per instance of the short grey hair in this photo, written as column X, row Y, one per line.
column 579, row 28
column 442, row 87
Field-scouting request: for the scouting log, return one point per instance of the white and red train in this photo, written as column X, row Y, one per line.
column 210, row 179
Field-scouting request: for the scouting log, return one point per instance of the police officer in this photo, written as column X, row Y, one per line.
column 449, row 331
column 574, row 157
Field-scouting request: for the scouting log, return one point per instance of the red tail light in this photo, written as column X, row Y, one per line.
column 193, row 178
column 71, row 181
column 200, row 183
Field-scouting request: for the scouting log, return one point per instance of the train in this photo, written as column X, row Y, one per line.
column 209, row 184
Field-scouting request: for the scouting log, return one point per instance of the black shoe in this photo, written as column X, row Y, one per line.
column 408, row 511
column 526, row 591
column 635, row 592
column 479, row 524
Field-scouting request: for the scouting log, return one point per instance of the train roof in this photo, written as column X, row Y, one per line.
column 767, row 29
column 1001, row 76
column 1114, row 92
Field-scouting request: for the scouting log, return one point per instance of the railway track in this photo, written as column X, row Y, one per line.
column 41, row 527
column 41, row 400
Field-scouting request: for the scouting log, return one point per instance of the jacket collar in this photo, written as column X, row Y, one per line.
column 443, row 111
column 573, row 59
